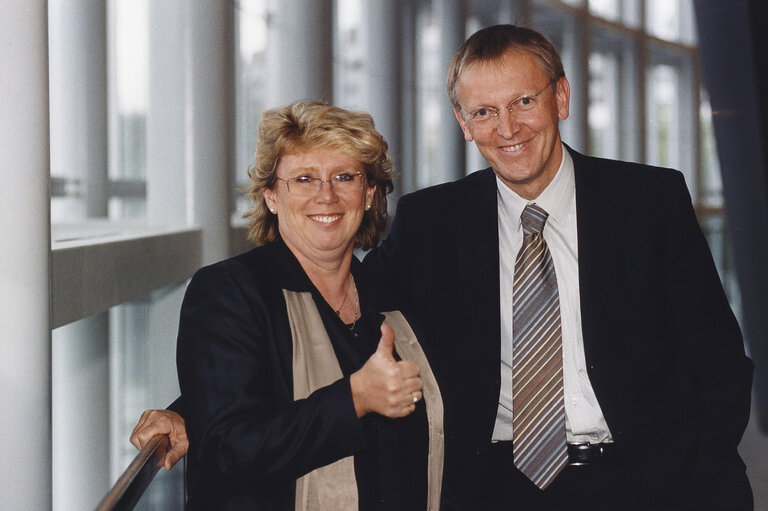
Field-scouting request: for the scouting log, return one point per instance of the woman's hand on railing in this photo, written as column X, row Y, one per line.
column 162, row 422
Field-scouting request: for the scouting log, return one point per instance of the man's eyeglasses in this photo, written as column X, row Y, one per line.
column 522, row 105
column 343, row 182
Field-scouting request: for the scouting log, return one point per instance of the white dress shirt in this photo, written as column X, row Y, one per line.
column 584, row 419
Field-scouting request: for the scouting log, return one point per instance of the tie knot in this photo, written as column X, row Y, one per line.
column 533, row 219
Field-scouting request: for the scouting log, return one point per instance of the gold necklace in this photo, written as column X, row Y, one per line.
column 350, row 280
column 357, row 303
column 357, row 309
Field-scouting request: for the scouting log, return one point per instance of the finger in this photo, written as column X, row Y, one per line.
column 137, row 437
column 139, row 426
column 387, row 343
column 408, row 369
column 413, row 384
column 146, row 434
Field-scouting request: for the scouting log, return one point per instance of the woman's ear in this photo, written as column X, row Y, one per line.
column 369, row 193
column 269, row 199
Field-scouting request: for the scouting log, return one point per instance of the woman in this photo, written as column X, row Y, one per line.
column 292, row 394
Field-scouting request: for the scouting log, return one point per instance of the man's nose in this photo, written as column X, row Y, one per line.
column 507, row 124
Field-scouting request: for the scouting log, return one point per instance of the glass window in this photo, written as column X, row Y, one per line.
column 142, row 366
column 608, row 9
column 349, row 58
column 711, row 181
column 671, row 20
column 715, row 230
column 662, row 18
column 106, row 370
column 99, row 99
column 251, row 22
column 662, row 132
column 129, row 21
column 431, row 99
column 93, row 176
column 623, row 11
column 603, row 117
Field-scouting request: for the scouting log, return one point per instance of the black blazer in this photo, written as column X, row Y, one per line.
column 249, row 439
column 663, row 349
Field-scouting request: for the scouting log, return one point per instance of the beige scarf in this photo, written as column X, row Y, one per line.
column 314, row 366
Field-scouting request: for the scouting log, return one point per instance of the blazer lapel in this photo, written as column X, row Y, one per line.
column 483, row 246
column 599, row 226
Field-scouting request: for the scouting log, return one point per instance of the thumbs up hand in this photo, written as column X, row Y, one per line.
column 384, row 385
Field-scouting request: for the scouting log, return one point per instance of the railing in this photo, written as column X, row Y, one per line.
column 134, row 482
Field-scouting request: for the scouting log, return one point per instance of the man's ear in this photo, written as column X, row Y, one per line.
column 563, row 97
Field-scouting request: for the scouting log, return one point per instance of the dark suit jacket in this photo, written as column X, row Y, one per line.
column 249, row 439
column 664, row 352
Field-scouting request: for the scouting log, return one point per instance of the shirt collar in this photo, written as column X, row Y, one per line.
column 556, row 199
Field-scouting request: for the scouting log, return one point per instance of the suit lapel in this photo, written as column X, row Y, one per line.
column 484, row 246
column 599, row 226
column 482, row 301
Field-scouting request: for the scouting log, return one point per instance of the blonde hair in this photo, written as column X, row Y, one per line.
column 305, row 125
column 492, row 43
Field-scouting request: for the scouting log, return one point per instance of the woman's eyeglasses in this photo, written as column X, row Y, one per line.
column 343, row 182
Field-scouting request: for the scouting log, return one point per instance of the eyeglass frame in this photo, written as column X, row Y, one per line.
column 321, row 181
column 495, row 112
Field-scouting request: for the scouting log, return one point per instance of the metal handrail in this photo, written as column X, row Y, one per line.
column 134, row 482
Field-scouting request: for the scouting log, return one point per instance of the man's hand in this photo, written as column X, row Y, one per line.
column 384, row 385
column 162, row 422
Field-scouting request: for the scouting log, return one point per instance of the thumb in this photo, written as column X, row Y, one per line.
column 387, row 343
column 171, row 458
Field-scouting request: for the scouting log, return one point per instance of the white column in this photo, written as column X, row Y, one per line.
column 210, row 97
column 190, row 119
column 80, row 354
column 451, row 160
column 25, row 349
column 78, row 71
column 80, row 370
column 299, row 51
column 167, row 118
column 383, row 72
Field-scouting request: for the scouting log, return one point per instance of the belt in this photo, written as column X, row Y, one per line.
column 578, row 454
column 587, row 454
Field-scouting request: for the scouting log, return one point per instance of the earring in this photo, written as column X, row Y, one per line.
column 367, row 207
column 272, row 210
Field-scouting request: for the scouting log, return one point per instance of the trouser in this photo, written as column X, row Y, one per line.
column 603, row 486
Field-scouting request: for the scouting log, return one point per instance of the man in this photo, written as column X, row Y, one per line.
column 643, row 391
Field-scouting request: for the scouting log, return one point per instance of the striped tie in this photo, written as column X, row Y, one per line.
column 538, row 425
